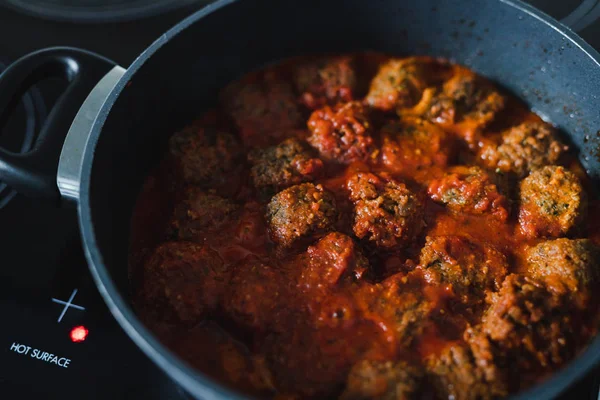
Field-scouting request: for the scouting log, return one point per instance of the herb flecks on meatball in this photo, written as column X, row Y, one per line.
column 289, row 163
column 412, row 144
column 386, row 211
column 343, row 133
column 385, row 380
column 198, row 213
column 465, row 98
column 565, row 264
column 263, row 107
column 327, row 80
column 204, row 154
column 529, row 326
column 470, row 268
column 185, row 279
column 552, row 203
column 471, row 190
column 254, row 295
column 300, row 211
column 523, row 148
column 399, row 84
column 457, row 374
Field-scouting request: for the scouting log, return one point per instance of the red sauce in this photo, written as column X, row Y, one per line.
column 310, row 326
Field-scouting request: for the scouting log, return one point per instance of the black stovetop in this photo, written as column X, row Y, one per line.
column 47, row 297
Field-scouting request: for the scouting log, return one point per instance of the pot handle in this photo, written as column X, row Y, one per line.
column 585, row 13
column 34, row 173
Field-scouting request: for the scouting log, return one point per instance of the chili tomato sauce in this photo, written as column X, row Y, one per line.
column 293, row 317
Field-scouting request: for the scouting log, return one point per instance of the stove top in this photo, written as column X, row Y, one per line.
column 57, row 337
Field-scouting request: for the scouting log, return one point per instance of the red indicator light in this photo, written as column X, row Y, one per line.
column 78, row 334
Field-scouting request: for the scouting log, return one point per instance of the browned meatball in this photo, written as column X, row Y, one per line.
column 470, row 268
column 523, row 148
column 467, row 98
column 300, row 211
column 198, row 213
column 325, row 80
column 289, row 163
column 382, row 380
column 411, row 144
column 186, row 278
column 341, row 134
column 205, row 155
column 471, row 190
column 565, row 263
column 457, row 374
column 385, row 211
column 530, row 325
column 399, row 83
column 263, row 107
column 399, row 306
column 254, row 295
column 332, row 258
column 553, row 202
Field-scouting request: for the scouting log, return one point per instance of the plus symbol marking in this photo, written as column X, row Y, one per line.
column 67, row 304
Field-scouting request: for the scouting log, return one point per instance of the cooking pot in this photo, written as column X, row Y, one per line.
column 110, row 126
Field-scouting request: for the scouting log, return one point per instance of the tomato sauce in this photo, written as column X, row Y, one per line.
column 314, row 309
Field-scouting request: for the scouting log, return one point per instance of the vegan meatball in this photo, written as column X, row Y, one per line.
column 531, row 325
column 386, row 212
column 289, row 163
column 199, row 213
column 263, row 107
column 471, row 190
column 465, row 98
column 323, row 81
column 300, row 211
column 399, row 83
column 412, row 144
column 471, row 268
column 383, row 380
column 255, row 295
column 552, row 203
column 205, row 155
column 523, row 148
column 341, row 134
column 457, row 374
column 332, row 258
column 565, row 263
column 184, row 278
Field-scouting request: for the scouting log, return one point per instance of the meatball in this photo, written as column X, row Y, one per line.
column 383, row 380
column 341, row 134
column 199, row 213
column 399, row 306
column 255, row 295
column 327, row 262
column 466, row 98
column 470, row 268
column 456, row 374
column 530, row 325
column 412, row 144
column 185, row 278
column 565, row 263
column 263, row 107
column 553, row 202
column 289, row 163
column 399, row 83
column 325, row 80
column 523, row 148
column 470, row 190
column 300, row 211
column 204, row 155
column 386, row 212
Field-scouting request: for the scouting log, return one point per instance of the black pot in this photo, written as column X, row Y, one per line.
column 119, row 132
